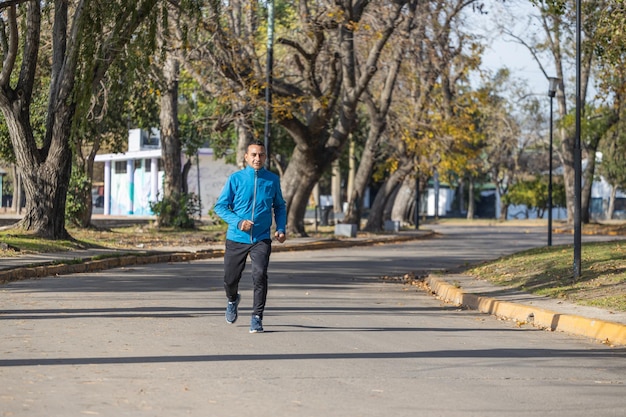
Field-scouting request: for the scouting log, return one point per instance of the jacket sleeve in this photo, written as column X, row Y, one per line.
column 224, row 205
column 280, row 211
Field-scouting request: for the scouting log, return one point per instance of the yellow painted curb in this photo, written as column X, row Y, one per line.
column 604, row 331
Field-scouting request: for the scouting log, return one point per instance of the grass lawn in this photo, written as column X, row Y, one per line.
column 548, row 271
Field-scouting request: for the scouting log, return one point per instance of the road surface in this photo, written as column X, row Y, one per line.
column 151, row 340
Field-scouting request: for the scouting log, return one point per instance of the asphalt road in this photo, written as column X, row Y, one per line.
column 151, row 340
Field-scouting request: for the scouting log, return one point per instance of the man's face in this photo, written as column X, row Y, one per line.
column 255, row 156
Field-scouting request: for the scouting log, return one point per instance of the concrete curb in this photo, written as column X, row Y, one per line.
column 81, row 265
column 607, row 332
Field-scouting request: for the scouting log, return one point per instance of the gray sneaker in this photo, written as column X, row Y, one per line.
column 231, row 310
column 256, row 324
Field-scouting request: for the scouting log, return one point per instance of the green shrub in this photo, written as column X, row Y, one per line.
column 177, row 212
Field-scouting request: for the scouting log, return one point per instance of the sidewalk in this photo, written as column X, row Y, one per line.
column 464, row 291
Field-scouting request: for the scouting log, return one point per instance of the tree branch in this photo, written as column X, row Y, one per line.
column 10, row 3
column 9, row 60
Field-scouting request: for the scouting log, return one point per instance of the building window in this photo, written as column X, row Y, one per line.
column 147, row 165
column 120, row 167
column 137, row 164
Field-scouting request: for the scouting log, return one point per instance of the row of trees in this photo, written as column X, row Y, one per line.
column 390, row 78
column 602, row 62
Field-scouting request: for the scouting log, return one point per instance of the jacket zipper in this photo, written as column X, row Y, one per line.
column 253, row 206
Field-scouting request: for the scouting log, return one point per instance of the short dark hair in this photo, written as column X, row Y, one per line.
column 256, row 142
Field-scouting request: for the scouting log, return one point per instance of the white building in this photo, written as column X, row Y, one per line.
column 133, row 180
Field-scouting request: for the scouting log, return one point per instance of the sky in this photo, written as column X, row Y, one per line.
column 504, row 51
column 521, row 63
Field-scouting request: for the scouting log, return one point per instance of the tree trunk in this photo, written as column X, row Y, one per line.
column 471, row 204
column 611, row 209
column 588, row 176
column 81, row 215
column 301, row 176
column 567, row 161
column 461, row 195
column 244, row 134
column 335, row 187
column 504, row 210
column 16, row 203
column 390, row 203
column 44, row 175
column 46, row 189
column 404, row 201
column 361, row 180
column 378, row 114
column 351, row 168
column 171, row 147
column 587, row 184
column 377, row 210
column 501, row 191
column 185, row 176
column 375, row 219
column 84, row 199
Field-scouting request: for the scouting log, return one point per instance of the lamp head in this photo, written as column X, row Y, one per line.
column 554, row 85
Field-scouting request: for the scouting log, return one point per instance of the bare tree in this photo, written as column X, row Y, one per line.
column 321, row 73
column 440, row 56
column 377, row 106
column 554, row 46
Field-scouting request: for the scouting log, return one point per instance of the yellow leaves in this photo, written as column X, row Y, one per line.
column 339, row 15
column 284, row 108
column 256, row 90
column 361, row 27
column 383, row 170
column 323, row 102
column 336, row 14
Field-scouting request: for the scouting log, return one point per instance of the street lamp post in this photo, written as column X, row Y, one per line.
column 578, row 151
column 269, row 68
column 554, row 84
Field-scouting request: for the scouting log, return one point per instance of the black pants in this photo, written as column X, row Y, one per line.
column 234, row 263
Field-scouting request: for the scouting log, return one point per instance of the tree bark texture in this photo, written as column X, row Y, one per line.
column 404, row 202
column 83, row 194
column 471, row 201
column 171, row 147
column 366, row 166
column 300, row 178
column 376, row 217
column 611, row 208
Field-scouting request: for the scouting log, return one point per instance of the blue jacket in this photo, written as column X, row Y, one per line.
column 252, row 195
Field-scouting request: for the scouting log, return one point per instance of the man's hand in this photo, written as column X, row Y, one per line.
column 246, row 225
column 280, row 236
